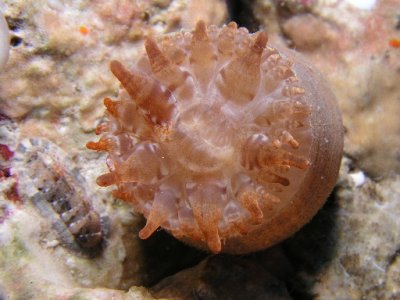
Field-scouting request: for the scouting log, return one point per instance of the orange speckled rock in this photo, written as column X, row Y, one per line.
column 228, row 143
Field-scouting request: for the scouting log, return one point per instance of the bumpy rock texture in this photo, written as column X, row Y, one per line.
column 360, row 61
column 53, row 85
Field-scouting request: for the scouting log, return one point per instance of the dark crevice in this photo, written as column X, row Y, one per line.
column 14, row 24
column 15, row 41
column 311, row 249
column 397, row 26
column 165, row 256
column 241, row 12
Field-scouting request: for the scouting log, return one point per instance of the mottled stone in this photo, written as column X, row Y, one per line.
column 54, row 82
column 308, row 32
column 360, row 247
column 59, row 66
column 350, row 44
column 367, row 241
column 211, row 12
column 45, row 179
column 50, row 191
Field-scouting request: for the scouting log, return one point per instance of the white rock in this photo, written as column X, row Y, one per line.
column 358, row 178
column 363, row 4
column 4, row 41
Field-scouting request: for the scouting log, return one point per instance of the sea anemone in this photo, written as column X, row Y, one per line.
column 225, row 141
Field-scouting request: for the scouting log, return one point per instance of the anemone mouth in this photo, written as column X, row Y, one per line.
column 211, row 136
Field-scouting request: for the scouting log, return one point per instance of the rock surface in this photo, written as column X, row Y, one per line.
column 352, row 44
column 51, row 89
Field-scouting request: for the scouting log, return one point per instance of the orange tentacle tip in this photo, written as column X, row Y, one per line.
column 101, row 128
column 101, row 145
column 112, row 107
column 218, row 140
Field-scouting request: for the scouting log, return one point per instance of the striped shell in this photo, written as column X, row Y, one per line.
column 48, row 179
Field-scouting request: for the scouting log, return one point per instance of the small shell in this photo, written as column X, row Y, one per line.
column 227, row 142
column 48, row 179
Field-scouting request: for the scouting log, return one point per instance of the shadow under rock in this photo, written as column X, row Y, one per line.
column 310, row 249
column 165, row 256
column 286, row 271
column 241, row 277
column 223, row 277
